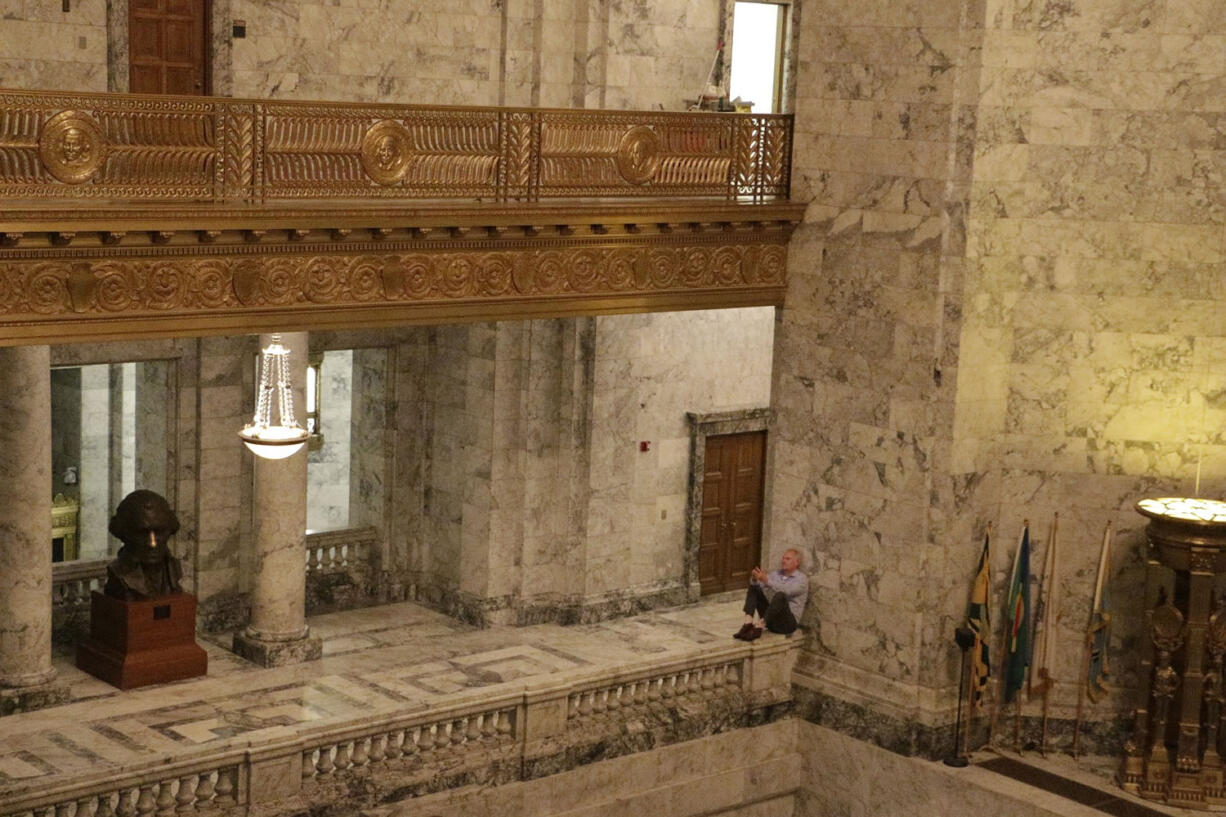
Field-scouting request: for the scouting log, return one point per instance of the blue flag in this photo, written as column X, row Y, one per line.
column 1017, row 621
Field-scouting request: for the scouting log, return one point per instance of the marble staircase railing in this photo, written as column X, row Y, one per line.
column 519, row 733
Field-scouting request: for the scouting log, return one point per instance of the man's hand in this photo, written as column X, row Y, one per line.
column 758, row 575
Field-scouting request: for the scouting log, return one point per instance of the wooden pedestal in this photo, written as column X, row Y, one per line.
column 137, row 643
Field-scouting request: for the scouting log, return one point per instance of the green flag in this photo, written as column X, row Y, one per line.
column 1017, row 621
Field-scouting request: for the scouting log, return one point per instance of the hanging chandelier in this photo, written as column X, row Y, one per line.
column 274, row 442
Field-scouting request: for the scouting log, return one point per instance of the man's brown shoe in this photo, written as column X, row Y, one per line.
column 754, row 633
column 745, row 630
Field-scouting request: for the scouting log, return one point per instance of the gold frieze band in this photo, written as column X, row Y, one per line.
column 173, row 291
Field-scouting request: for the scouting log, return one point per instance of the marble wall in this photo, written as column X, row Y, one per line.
column 649, row 371
column 574, row 53
column 43, row 47
column 999, row 307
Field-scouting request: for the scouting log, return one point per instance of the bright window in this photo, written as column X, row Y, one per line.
column 757, row 55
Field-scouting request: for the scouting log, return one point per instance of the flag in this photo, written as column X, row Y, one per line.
column 1098, row 636
column 1017, row 620
column 1044, row 611
column 977, row 620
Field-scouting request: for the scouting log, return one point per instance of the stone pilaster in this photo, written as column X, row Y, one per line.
column 27, row 680
column 277, row 633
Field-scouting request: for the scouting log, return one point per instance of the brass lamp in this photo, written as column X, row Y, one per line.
column 274, row 442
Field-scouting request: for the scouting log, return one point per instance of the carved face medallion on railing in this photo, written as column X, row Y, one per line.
column 386, row 150
column 72, row 147
column 638, row 155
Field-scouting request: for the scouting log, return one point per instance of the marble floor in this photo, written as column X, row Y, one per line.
column 394, row 658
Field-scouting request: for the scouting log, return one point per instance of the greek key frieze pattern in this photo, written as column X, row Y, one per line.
column 134, row 287
column 57, row 146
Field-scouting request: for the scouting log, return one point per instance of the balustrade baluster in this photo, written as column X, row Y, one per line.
column 105, row 807
column 360, row 753
column 504, row 723
column 425, row 738
column 653, row 689
column 205, row 791
column 324, row 766
column 614, row 701
column 395, row 743
column 227, row 782
column 377, row 748
column 600, row 701
column 342, row 761
column 489, row 726
column 458, row 729
column 668, row 685
column 126, row 807
column 86, row 806
column 45, row 811
column 473, row 733
column 708, row 679
column 312, row 559
column 166, row 799
column 185, row 797
column 441, row 737
column 146, row 803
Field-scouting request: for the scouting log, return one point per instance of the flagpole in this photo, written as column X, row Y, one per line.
column 1081, row 691
column 1092, row 627
column 1047, row 592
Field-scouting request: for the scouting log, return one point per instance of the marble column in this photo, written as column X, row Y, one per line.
column 278, row 633
column 27, row 680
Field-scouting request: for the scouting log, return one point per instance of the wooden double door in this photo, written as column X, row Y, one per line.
column 730, row 537
column 168, row 47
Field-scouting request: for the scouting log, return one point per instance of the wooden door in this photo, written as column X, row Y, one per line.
column 730, row 539
column 168, row 47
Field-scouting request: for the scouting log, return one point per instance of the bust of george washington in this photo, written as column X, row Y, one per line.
column 144, row 568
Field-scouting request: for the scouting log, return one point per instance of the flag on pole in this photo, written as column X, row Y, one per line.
column 1017, row 620
column 977, row 619
column 1098, row 636
column 1044, row 613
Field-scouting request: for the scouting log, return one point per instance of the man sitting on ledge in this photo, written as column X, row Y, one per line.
column 778, row 599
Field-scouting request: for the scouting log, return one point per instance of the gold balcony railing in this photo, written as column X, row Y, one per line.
column 150, row 216
column 61, row 146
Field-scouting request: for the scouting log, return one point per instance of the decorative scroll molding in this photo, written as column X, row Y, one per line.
column 208, row 150
column 224, row 281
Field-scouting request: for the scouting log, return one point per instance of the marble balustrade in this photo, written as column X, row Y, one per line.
column 72, row 582
column 480, row 731
column 340, row 551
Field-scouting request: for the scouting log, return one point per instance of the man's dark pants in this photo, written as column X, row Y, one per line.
column 776, row 613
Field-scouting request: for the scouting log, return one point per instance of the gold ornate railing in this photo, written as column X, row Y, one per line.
column 192, row 149
column 148, row 216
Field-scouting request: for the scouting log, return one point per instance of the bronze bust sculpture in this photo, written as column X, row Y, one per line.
column 144, row 568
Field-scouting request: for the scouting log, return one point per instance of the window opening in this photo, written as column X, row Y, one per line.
column 757, row 55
